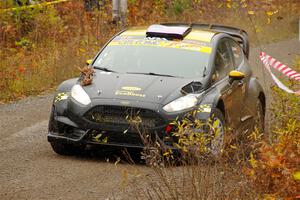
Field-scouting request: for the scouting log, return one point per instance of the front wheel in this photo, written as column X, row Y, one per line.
column 217, row 132
column 260, row 120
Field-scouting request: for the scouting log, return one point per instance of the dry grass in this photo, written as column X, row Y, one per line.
column 248, row 168
column 191, row 171
column 55, row 42
column 191, row 182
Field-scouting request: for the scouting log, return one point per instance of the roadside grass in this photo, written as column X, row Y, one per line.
column 194, row 172
column 274, row 172
column 199, row 182
column 43, row 46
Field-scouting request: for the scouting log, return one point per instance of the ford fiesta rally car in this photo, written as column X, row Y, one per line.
column 160, row 72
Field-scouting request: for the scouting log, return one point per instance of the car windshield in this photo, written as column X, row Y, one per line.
column 164, row 58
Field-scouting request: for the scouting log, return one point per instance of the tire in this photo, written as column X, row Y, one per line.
column 217, row 132
column 51, row 125
column 260, row 120
column 66, row 149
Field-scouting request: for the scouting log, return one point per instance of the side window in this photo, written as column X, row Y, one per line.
column 238, row 54
column 223, row 61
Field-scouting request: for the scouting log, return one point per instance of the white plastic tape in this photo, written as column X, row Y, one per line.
column 268, row 61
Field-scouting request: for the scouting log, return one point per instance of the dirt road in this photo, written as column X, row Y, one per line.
column 29, row 169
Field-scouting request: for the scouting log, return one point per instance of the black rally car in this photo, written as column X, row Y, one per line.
column 160, row 72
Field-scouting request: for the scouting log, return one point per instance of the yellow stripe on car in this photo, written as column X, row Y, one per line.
column 164, row 44
column 206, row 49
column 203, row 36
column 138, row 32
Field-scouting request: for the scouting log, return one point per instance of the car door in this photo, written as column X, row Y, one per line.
column 241, row 64
column 231, row 92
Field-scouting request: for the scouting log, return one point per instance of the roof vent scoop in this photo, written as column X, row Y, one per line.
column 168, row 32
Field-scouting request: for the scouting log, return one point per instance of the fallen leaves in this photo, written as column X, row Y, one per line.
column 22, row 69
column 86, row 76
column 251, row 12
column 270, row 13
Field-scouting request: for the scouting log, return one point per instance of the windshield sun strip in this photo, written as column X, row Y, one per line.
column 165, row 44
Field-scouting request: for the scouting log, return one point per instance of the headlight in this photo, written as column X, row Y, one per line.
column 80, row 95
column 181, row 103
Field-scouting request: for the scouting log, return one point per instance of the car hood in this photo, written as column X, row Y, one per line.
column 136, row 87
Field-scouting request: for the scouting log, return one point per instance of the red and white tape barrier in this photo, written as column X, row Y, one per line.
column 267, row 59
column 284, row 69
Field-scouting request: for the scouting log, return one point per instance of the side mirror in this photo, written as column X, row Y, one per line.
column 236, row 75
column 88, row 62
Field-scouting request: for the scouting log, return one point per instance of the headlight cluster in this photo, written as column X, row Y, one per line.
column 181, row 103
column 80, row 95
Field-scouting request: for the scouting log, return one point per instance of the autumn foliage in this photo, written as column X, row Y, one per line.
column 44, row 45
column 276, row 171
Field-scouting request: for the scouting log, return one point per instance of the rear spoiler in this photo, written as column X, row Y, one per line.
column 240, row 35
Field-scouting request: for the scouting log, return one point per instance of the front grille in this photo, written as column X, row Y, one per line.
column 124, row 116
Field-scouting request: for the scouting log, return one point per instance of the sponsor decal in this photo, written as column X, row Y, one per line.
column 61, row 96
column 162, row 43
column 131, row 88
column 130, row 91
column 205, row 108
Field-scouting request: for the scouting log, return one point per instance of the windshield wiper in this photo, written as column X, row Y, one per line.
column 152, row 74
column 103, row 69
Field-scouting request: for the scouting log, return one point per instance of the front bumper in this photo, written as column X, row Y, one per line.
column 78, row 129
column 116, row 139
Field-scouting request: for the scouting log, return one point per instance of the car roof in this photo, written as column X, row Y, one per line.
column 196, row 34
column 195, row 31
